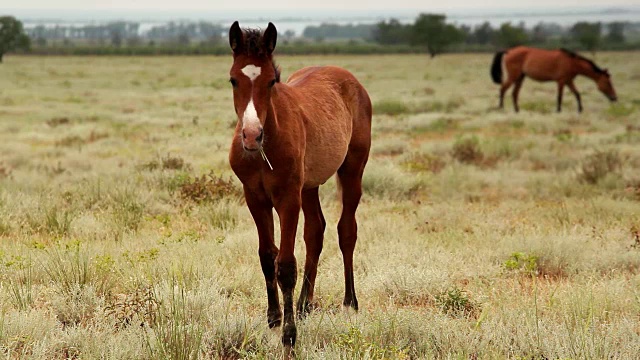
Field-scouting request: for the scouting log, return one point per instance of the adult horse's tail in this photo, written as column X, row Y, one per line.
column 496, row 67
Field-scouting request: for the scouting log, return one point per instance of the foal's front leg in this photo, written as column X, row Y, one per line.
column 288, row 208
column 262, row 211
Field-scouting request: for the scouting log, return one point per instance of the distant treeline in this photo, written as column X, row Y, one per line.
column 428, row 33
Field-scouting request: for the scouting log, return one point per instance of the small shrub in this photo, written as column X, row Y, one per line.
column 208, row 188
column 5, row 171
column 57, row 121
column 456, row 302
column 467, row 150
column 563, row 135
column 139, row 306
column 522, row 262
column 173, row 163
column 596, row 166
column 70, row 141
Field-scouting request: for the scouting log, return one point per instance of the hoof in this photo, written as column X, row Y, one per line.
column 305, row 309
column 289, row 334
column 351, row 303
column 274, row 319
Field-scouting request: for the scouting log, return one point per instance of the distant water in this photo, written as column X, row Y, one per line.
column 297, row 22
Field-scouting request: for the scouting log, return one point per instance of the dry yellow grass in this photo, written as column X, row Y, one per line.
column 483, row 233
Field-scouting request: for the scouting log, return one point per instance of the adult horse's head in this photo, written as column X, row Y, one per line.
column 253, row 76
column 605, row 86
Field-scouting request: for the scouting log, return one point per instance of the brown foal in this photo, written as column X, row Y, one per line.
column 290, row 138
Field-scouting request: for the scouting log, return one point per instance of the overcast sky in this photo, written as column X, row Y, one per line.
column 253, row 5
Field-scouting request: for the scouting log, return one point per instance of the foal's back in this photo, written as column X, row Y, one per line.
column 336, row 111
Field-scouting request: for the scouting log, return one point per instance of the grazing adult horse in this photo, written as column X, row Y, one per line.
column 561, row 66
column 290, row 139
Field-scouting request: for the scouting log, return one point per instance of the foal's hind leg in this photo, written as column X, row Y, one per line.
column 314, row 225
column 350, row 177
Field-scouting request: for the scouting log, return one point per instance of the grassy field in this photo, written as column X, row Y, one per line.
column 483, row 233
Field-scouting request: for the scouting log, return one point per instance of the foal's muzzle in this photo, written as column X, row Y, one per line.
column 252, row 138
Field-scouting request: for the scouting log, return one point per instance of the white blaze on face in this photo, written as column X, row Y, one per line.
column 250, row 116
column 251, row 71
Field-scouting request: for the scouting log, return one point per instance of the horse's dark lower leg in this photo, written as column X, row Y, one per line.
column 262, row 211
column 560, row 91
column 503, row 89
column 575, row 92
column 286, row 267
column 351, row 182
column 516, row 92
column 314, row 225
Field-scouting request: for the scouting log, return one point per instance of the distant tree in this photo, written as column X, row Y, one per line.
column 289, row 34
column 509, row 36
column 432, row 30
column 392, row 33
column 587, row 34
column 616, row 32
column 12, row 35
column 538, row 34
column 482, row 34
column 183, row 39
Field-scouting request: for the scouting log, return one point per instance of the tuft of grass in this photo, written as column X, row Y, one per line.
column 68, row 267
column 620, row 110
column 21, row 287
column 177, row 329
column 390, row 107
column 208, row 188
column 596, row 166
column 127, row 211
column 424, row 162
column 537, row 107
column 467, row 150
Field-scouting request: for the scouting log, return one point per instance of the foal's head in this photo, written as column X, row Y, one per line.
column 605, row 86
column 253, row 76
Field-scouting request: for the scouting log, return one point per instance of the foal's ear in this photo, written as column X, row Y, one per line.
column 270, row 36
column 236, row 38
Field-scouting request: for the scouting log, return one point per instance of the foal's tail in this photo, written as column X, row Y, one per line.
column 496, row 67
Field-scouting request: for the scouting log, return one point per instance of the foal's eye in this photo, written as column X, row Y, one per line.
column 272, row 82
column 233, row 82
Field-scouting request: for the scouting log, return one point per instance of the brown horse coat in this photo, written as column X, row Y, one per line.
column 291, row 138
column 561, row 66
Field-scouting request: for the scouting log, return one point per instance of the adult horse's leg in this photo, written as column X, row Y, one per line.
column 575, row 92
column 287, row 205
column 350, row 177
column 560, row 91
column 503, row 89
column 261, row 209
column 314, row 225
column 516, row 91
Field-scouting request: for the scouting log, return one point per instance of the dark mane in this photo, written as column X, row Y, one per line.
column 254, row 46
column 575, row 55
